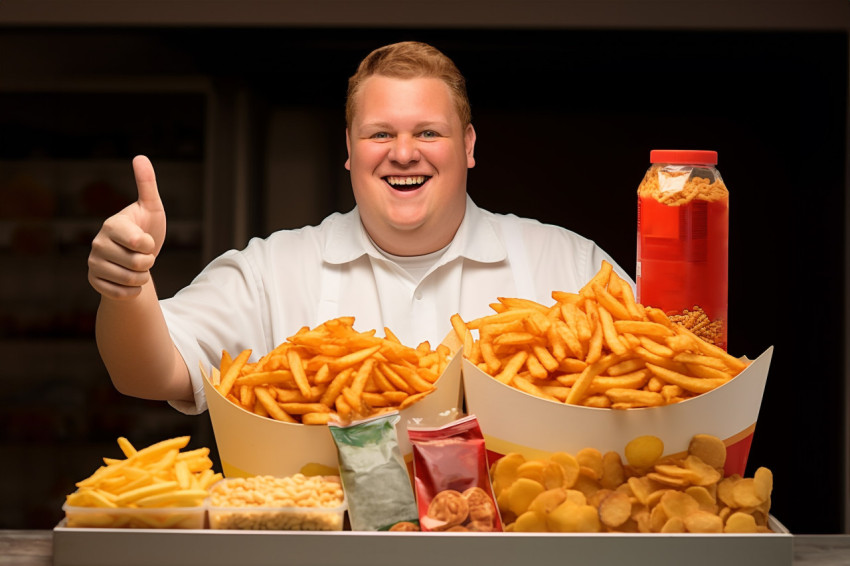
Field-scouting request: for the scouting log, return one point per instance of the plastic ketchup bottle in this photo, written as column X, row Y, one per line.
column 683, row 241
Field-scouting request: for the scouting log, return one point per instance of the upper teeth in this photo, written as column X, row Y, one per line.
column 415, row 180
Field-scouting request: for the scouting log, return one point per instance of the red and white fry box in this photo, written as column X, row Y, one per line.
column 250, row 445
column 514, row 421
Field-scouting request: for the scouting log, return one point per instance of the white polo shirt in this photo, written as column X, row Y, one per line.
column 258, row 297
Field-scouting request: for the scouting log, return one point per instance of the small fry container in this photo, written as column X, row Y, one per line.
column 135, row 518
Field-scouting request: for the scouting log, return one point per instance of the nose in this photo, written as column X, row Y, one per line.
column 404, row 150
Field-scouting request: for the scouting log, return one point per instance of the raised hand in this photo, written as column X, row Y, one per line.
column 125, row 248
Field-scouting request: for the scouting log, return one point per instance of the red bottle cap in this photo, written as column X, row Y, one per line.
column 683, row 156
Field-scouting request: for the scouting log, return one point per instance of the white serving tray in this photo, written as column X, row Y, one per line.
column 146, row 547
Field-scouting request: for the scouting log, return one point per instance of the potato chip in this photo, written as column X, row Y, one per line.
column 548, row 500
column 746, row 493
column 590, row 462
column 642, row 452
column 740, row 523
column 678, row 504
column 615, row 509
column 613, row 473
column 530, row 522
column 570, row 465
column 674, row 525
column 706, row 500
column 709, row 449
column 522, row 493
column 532, row 470
column 572, row 518
column 701, row 521
column 505, row 471
column 704, row 474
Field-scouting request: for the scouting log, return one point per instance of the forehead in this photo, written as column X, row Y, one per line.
column 384, row 98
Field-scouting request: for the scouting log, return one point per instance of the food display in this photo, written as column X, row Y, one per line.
column 597, row 348
column 649, row 493
column 599, row 351
column 155, row 487
column 293, row 503
column 331, row 372
column 683, row 241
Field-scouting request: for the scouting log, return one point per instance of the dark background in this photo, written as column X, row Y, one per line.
column 565, row 120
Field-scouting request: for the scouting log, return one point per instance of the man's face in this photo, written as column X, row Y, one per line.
column 408, row 155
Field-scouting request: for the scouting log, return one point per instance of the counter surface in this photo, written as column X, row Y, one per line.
column 35, row 548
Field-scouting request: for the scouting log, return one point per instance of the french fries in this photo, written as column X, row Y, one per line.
column 597, row 347
column 160, row 476
column 331, row 372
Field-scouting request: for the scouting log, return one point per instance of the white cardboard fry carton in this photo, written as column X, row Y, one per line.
column 514, row 421
column 249, row 444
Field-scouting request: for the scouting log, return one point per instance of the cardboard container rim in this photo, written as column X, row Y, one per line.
column 694, row 398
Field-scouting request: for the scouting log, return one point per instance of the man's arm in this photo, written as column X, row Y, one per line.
column 131, row 332
column 137, row 349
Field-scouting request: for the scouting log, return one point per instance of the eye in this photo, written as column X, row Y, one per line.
column 429, row 134
column 380, row 136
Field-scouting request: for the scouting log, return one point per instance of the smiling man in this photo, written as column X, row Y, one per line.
column 414, row 250
column 409, row 151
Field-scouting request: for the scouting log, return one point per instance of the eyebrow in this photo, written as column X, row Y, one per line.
column 427, row 124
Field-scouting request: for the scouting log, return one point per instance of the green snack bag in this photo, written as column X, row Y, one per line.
column 374, row 475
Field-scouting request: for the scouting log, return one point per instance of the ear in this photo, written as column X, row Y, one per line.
column 469, row 144
column 348, row 150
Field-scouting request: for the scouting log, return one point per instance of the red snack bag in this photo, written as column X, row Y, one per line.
column 451, row 478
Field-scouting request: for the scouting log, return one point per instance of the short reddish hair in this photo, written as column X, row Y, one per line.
column 409, row 60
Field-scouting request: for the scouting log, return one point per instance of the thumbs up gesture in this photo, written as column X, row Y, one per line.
column 125, row 248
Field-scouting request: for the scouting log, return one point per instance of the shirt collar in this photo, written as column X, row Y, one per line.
column 476, row 239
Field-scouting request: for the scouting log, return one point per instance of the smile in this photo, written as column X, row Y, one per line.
column 406, row 183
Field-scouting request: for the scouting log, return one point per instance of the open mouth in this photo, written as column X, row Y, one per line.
column 407, row 182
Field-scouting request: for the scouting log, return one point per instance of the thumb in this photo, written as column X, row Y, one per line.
column 147, row 212
column 146, row 184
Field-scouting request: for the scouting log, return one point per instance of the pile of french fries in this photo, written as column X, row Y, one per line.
column 331, row 372
column 159, row 475
column 597, row 348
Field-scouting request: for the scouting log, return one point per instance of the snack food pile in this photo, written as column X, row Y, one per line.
column 597, row 348
column 595, row 492
column 331, row 372
column 679, row 187
column 453, row 490
column 144, row 489
column 294, row 503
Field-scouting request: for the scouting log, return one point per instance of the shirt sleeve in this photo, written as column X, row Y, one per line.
column 224, row 308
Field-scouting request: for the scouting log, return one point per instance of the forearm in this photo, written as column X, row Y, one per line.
column 137, row 349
